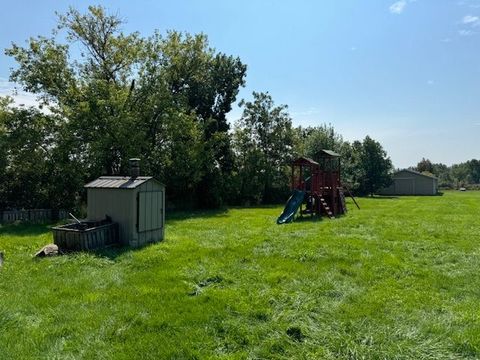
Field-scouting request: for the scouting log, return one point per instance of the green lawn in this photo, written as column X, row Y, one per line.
column 397, row 279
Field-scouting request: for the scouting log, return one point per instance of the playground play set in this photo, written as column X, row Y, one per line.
column 317, row 189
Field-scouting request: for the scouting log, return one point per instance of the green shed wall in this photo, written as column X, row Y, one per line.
column 119, row 204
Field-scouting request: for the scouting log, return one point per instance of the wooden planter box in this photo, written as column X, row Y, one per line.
column 88, row 235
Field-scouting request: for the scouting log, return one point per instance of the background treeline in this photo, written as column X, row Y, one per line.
column 466, row 174
column 106, row 96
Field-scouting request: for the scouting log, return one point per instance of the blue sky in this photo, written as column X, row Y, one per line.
column 405, row 72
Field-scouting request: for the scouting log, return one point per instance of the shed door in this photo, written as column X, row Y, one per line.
column 150, row 210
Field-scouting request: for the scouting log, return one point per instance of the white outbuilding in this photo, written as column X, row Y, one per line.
column 409, row 182
column 136, row 203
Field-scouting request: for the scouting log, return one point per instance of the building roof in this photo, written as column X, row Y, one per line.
column 416, row 173
column 118, row 182
column 303, row 160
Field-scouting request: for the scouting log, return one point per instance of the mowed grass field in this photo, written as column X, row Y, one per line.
column 398, row 279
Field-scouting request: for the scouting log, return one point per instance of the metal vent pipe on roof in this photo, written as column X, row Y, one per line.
column 134, row 167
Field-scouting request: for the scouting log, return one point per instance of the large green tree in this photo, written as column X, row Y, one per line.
column 424, row 165
column 91, row 92
column 474, row 171
column 323, row 137
column 263, row 141
column 187, row 72
column 163, row 98
column 375, row 166
column 27, row 139
column 353, row 172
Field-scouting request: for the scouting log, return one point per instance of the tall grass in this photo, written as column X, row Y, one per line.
column 397, row 280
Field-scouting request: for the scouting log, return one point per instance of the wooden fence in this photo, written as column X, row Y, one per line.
column 32, row 215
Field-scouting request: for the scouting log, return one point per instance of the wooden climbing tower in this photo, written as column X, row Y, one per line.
column 320, row 181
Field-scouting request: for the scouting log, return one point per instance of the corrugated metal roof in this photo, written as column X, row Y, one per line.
column 117, row 182
column 417, row 173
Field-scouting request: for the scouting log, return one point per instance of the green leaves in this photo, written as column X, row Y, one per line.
column 377, row 167
column 43, row 69
column 108, row 53
column 26, row 144
column 318, row 138
column 162, row 98
column 263, row 142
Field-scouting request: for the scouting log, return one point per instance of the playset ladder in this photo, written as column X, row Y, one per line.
column 326, row 208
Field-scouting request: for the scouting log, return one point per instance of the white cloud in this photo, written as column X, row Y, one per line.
column 8, row 88
column 398, row 7
column 469, row 24
column 471, row 20
column 430, row 82
column 446, row 40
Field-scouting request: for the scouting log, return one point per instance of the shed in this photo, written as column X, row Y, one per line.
column 135, row 202
column 409, row 182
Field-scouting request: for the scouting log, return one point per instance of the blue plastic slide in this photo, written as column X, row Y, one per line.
column 291, row 207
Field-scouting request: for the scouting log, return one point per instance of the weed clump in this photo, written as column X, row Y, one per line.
column 295, row 333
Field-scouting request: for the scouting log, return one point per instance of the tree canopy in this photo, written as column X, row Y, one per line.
column 466, row 174
column 263, row 141
column 106, row 96
column 164, row 98
column 376, row 166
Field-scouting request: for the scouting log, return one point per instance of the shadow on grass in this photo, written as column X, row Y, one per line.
column 113, row 252
column 308, row 218
column 181, row 215
column 304, row 219
column 24, row 229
